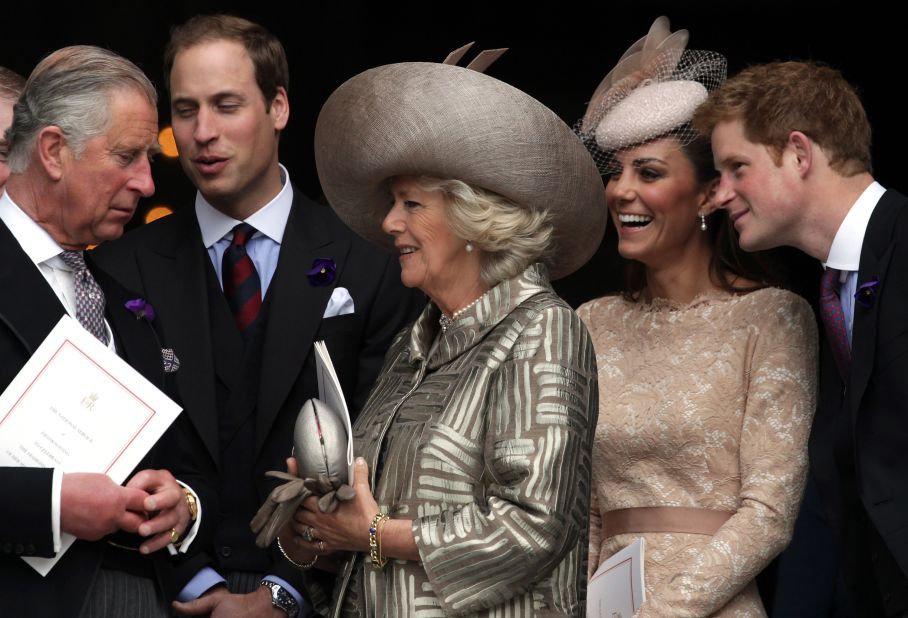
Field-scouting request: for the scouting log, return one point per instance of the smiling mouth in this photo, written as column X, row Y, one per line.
column 634, row 221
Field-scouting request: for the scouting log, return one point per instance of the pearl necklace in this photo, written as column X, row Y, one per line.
column 447, row 322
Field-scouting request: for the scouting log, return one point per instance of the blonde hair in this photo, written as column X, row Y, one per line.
column 510, row 236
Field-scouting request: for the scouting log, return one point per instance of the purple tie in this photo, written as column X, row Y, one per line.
column 834, row 320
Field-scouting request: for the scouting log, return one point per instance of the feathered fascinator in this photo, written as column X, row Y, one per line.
column 652, row 92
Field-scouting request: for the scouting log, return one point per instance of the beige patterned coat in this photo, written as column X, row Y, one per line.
column 483, row 441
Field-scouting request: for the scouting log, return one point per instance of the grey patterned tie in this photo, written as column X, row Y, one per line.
column 89, row 297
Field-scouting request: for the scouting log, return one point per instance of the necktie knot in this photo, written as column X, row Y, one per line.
column 830, row 283
column 241, row 234
column 75, row 260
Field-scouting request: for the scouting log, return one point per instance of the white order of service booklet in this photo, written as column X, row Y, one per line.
column 77, row 406
column 616, row 588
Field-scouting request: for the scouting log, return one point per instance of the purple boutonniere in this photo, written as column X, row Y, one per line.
column 141, row 308
column 323, row 272
column 866, row 294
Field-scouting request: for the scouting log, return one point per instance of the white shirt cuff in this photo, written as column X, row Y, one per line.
column 56, row 491
column 193, row 530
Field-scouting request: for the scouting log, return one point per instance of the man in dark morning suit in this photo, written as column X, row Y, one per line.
column 78, row 152
column 244, row 283
column 792, row 142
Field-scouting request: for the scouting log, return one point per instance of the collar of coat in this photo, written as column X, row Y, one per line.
column 476, row 321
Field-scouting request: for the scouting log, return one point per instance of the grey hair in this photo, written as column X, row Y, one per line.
column 510, row 236
column 71, row 89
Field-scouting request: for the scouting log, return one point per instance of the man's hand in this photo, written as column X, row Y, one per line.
column 93, row 506
column 221, row 603
column 166, row 505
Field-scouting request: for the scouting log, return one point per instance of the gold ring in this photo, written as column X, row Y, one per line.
column 174, row 536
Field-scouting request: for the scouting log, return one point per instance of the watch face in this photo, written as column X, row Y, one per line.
column 282, row 599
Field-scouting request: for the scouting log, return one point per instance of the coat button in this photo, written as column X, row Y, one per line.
column 7, row 548
column 226, row 550
column 29, row 549
column 20, row 548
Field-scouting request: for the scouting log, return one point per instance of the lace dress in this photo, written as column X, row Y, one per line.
column 704, row 405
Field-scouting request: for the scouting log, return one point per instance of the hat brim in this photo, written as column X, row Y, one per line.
column 448, row 122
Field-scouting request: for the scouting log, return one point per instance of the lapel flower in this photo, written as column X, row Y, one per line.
column 867, row 291
column 323, row 272
column 141, row 308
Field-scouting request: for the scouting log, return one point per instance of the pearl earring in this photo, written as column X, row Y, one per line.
column 469, row 247
column 702, row 223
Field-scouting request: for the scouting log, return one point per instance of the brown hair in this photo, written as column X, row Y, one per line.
column 772, row 100
column 264, row 49
column 729, row 262
column 11, row 84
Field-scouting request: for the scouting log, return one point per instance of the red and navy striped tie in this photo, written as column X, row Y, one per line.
column 242, row 286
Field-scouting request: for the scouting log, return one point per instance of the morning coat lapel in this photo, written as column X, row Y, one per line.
column 296, row 307
column 876, row 253
column 28, row 305
column 174, row 276
column 135, row 338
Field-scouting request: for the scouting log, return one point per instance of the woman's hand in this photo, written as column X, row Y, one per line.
column 347, row 528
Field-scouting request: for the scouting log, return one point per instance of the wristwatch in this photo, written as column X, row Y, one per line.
column 282, row 599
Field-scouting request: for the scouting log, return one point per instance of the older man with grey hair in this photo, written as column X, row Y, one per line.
column 79, row 146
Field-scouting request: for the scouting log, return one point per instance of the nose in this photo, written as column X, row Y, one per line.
column 141, row 179
column 393, row 222
column 206, row 128
column 724, row 192
column 619, row 189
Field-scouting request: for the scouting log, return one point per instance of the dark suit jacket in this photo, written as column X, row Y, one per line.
column 168, row 263
column 859, row 442
column 29, row 309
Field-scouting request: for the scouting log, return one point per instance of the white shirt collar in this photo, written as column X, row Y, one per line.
column 270, row 219
column 38, row 245
column 845, row 252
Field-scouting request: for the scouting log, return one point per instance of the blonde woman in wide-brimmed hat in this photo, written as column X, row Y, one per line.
column 474, row 492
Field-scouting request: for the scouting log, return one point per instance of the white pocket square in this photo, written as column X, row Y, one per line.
column 341, row 303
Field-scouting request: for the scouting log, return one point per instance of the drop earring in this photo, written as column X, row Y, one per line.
column 469, row 247
column 702, row 223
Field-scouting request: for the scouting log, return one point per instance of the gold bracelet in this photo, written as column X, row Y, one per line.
column 301, row 566
column 378, row 561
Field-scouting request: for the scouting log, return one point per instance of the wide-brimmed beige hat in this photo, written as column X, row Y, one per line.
column 450, row 122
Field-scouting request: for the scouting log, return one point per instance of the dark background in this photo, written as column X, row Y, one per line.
column 558, row 53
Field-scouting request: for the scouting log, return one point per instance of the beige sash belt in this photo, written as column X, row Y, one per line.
column 663, row 519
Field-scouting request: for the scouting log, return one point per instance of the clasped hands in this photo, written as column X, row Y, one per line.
column 317, row 517
column 152, row 504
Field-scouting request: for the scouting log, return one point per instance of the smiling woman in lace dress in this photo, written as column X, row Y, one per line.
column 706, row 374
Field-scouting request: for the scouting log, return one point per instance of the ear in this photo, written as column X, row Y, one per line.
column 708, row 201
column 49, row 148
column 280, row 109
column 801, row 148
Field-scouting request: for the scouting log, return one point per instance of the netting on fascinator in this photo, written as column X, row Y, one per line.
column 652, row 92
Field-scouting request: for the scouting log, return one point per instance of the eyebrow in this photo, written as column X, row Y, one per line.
column 645, row 160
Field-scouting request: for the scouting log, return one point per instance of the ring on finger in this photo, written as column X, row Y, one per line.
column 174, row 536
column 309, row 534
column 320, row 545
